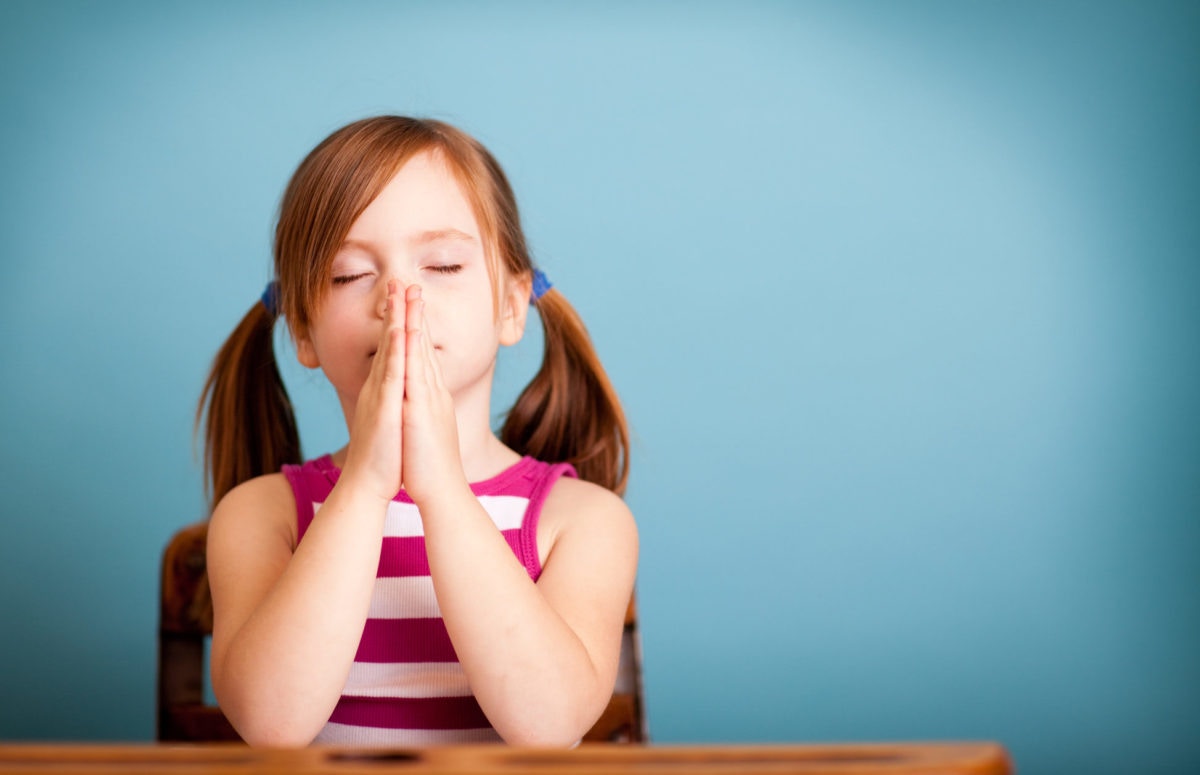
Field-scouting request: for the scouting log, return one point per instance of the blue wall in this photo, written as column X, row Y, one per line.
column 902, row 299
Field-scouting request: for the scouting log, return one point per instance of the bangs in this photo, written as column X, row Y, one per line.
column 340, row 178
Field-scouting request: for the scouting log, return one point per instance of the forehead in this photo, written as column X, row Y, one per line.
column 424, row 195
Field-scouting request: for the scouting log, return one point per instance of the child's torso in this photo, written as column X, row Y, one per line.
column 406, row 686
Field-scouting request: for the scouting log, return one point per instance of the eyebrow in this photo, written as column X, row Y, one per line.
column 421, row 238
column 436, row 235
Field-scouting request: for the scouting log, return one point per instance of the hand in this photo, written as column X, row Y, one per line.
column 432, row 462
column 373, row 458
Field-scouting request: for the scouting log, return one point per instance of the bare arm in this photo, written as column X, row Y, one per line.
column 286, row 627
column 541, row 659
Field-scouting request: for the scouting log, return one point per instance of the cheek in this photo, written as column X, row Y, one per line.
column 341, row 319
column 465, row 311
column 340, row 336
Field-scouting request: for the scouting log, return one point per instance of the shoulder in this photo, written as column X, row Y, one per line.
column 260, row 510
column 578, row 512
column 251, row 539
column 586, row 499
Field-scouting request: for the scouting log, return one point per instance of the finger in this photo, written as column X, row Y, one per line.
column 433, row 365
column 412, row 308
column 389, row 358
column 415, row 373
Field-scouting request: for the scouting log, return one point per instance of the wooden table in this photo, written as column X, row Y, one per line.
column 233, row 759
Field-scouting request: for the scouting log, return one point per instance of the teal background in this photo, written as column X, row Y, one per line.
column 902, row 300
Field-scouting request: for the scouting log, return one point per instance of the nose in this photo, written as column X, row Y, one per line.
column 381, row 297
column 381, row 301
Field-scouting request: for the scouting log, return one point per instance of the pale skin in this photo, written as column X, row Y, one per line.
column 402, row 338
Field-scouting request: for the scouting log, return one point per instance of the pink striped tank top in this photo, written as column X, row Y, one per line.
column 406, row 686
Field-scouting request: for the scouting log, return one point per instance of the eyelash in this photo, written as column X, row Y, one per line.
column 439, row 269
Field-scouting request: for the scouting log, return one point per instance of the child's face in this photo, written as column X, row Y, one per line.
column 420, row 229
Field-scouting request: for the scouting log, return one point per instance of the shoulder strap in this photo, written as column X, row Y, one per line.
column 309, row 486
column 545, row 478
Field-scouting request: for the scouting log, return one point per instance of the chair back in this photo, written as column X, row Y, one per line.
column 624, row 719
column 185, row 624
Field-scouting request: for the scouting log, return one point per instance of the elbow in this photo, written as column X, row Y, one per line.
column 543, row 738
column 546, row 730
column 559, row 727
column 275, row 737
column 262, row 731
column 262, row 725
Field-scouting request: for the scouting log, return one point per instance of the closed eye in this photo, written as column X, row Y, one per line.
column 349, row 278
column 445, row 268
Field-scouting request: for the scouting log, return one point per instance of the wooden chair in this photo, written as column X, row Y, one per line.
column 185, row 622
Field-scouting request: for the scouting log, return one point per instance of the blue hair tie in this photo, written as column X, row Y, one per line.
column 541, row 284
column 270, row 298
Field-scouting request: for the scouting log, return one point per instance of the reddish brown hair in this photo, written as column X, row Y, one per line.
column 568, row 413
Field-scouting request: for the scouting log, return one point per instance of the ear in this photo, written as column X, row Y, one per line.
column 514, row 309
column 306, row 353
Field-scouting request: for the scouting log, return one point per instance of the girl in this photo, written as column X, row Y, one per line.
column 430, row 582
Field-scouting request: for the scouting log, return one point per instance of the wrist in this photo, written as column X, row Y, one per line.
column 360, row 492
column 362, row 474
column 447, row 496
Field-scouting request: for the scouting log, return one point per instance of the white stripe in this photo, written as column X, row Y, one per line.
column 403, row 520
column 344, row 734
column 409, row 597
column 507, row 511
column 413, row 679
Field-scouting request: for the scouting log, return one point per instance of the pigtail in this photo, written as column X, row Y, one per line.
column 249, row 427
column 569, row 412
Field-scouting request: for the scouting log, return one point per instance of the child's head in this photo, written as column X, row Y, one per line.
column 569, row 411
column 347, row 171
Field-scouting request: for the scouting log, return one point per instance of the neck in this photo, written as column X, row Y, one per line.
column 483, row 455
